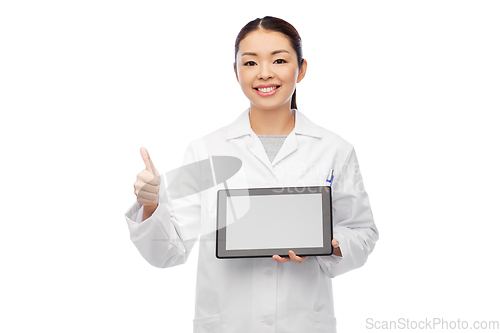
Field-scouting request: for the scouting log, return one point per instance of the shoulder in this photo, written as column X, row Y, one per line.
column 238, row 127
column 204, row 145
column 335, row 139
column 217, row 136
column 325, row 135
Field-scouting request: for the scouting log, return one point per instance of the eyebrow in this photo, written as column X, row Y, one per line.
column 273, row 53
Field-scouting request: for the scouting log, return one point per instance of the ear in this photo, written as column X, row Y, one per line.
column 302, row 70
column 236, row 72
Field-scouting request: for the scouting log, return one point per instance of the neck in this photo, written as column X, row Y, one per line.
column 272, row 122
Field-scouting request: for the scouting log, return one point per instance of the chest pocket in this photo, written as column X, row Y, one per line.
column 210, row 324
column 323, row 323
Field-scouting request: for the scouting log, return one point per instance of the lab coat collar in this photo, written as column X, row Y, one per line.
column 241, row 126
column 303, row 126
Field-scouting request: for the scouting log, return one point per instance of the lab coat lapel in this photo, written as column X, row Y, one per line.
column 303, row 126
column 288, row 147
column 257, row 149
column 241, row 127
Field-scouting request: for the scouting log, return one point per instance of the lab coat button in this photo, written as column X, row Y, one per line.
column 269, row 321
column 268, row 272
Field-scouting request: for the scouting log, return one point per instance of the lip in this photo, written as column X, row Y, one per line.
column 266, row 85
column 265, row 94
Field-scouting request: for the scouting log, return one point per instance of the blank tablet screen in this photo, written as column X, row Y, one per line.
column 260, row 222
column 275, row 221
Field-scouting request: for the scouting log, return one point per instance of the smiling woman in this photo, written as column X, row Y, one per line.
column 278, row 147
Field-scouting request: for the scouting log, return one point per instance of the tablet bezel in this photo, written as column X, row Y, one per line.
column 222, row 194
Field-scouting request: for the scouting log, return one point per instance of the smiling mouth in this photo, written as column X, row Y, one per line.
column 268, row 89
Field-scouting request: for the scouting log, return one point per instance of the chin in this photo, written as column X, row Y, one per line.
column 268, row 107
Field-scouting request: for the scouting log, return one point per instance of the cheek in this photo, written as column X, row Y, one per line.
column 245, row 78
column 289, row 74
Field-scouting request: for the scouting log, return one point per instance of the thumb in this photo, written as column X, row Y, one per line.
column 335, row 243
column 147, row 160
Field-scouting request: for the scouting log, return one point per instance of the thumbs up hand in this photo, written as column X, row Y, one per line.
column 147, row 186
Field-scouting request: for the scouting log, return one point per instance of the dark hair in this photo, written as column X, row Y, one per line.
column 273, row 24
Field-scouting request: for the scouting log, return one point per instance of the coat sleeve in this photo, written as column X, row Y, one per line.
column 166, row 238
column 353, row 224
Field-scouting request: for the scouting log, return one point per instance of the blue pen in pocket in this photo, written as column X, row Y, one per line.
column 329, row 180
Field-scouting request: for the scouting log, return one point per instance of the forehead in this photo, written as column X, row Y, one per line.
column 264, row 42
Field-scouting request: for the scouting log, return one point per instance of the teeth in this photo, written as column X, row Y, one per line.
column 266, row 90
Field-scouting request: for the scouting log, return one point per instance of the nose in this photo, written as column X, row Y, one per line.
column 265, row 72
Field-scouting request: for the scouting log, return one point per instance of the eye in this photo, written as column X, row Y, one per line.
column 280, row 61
column 249, row 63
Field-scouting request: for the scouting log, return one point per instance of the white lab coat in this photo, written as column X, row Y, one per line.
column 260, row 294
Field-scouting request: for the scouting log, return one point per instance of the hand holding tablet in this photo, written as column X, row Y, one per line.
column 296, row 258
column 292, row 256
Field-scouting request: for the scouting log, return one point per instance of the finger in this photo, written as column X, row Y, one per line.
column 150, row 197
column 280, row 259
column 295, row 257
column 148, row 178
column 155, row 172
column 335, row 242
column 146, row 188
column 146, row 202
column 147, row 160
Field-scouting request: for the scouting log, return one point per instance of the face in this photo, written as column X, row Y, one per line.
column 267, row 69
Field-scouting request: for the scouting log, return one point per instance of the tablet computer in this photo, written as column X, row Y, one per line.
column 261, row 222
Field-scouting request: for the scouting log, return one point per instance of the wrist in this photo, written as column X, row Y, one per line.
column 148, row 210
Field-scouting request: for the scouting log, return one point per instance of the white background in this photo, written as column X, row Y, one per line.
column 413, row 85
